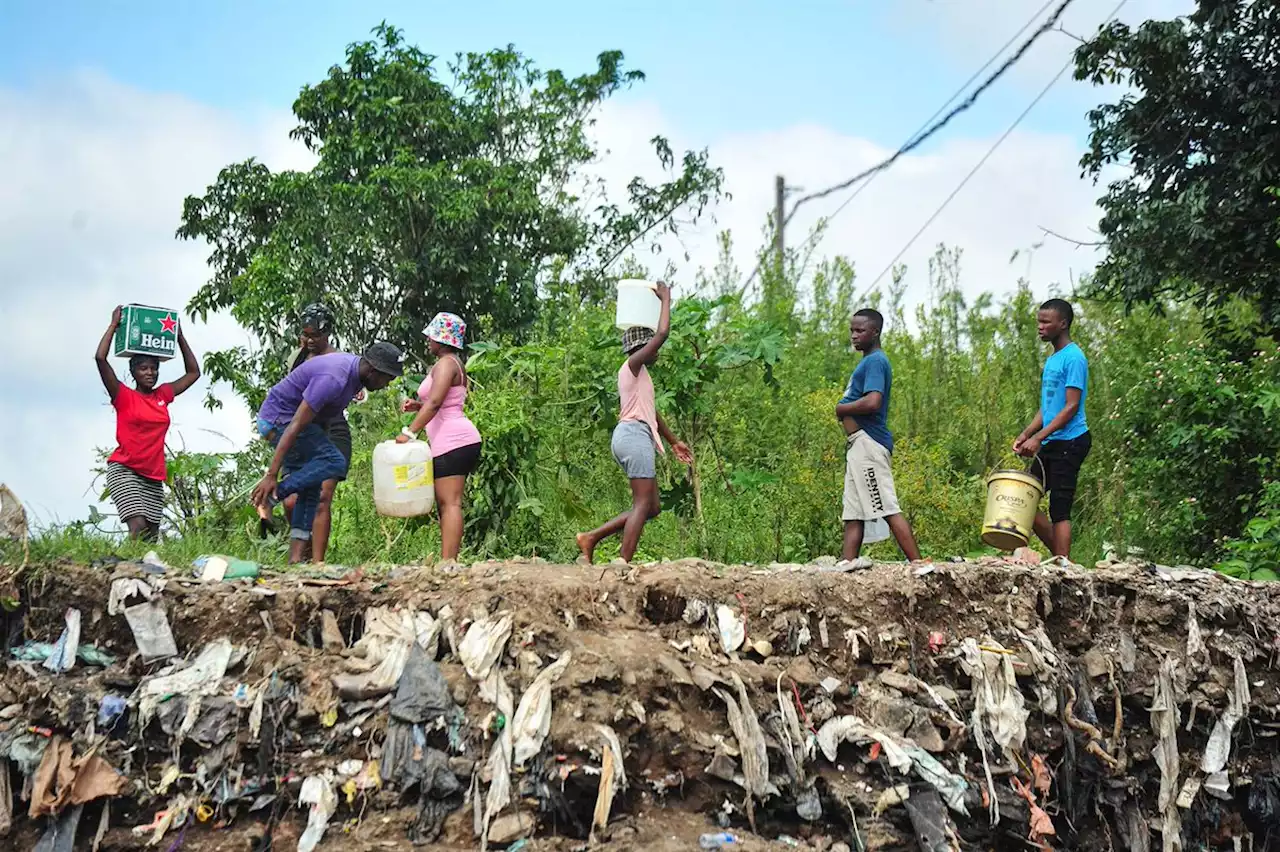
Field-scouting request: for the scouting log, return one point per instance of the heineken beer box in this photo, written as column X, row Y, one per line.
column 145, row 330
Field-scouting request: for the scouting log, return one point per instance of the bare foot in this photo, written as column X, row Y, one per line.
column 587, row 546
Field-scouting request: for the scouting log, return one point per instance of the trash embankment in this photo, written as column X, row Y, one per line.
column 524, row 705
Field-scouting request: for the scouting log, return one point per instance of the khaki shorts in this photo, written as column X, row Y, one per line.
column 868, row 481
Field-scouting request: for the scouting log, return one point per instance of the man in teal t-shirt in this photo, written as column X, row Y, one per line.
column 863, row 411
column 1059, row 434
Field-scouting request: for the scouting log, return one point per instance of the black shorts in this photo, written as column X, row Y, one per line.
column 459, row 462
column 339, row 432
column 1062, row 461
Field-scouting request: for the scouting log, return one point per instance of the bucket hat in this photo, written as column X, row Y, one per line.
column 448, row 329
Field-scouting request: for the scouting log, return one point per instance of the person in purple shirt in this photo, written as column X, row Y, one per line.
column 317, row 391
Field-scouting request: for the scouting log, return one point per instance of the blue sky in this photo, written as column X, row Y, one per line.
column 861, row 68
column 111, row 113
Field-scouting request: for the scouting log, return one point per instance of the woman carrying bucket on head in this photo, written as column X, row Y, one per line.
column 639, row 434
column 454, row 439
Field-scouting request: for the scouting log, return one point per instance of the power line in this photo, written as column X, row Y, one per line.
column 920, row 138
column 958, row 92
column 990, row 151
column 928, row 128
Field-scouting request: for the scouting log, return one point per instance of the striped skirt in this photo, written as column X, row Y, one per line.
column 135, row 495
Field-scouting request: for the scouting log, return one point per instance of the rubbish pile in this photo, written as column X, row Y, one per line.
column 523, row 705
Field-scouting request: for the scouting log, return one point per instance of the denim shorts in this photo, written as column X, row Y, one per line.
column 633, row 449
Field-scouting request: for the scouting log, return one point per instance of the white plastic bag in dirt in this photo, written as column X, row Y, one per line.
column 124, row 588
column 901, row 753
column 63, row 656
column 533, row 717
column 317, row 791
column 203, row 677
column 1219, row 746
column 483, row 644
column 732, row 628
column 151, row 631
column 997, row 698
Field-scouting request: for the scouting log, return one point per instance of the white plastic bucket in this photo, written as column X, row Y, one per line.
column 403, row 479
column 638, row 304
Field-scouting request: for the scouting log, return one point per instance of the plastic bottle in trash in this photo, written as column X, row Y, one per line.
column 717, row 840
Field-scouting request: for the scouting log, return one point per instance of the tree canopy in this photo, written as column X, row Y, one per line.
column 1199, row 135
column 462, row 191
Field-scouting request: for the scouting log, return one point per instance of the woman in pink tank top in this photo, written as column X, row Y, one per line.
column 455, row 441
column 638, row 435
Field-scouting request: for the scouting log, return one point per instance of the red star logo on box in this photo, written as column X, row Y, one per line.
column 168, row 325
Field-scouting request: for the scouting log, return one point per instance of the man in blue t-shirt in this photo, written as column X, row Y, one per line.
column 1059, row 434
column 864, row 412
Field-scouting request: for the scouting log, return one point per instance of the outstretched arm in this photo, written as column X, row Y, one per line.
column 189, row 363
column 267, row 484
column 105, row 371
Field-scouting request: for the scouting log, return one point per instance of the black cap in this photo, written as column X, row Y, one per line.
column 385, row 358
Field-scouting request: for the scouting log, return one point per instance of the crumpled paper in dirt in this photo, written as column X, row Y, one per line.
column 901, row 753
column 533, row 717
column 1164, row 722
column 63, row 779
column 202, row 677
column 483, row 645
column 317, row 791
column 1218, row 748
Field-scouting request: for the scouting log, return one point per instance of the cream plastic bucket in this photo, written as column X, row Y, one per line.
column 1013, row 497
column 638, row 304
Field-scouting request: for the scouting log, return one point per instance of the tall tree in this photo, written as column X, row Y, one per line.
column 1192, row 216
column 428, row 194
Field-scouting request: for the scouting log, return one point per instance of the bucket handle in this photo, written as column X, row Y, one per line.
column 1034, row 460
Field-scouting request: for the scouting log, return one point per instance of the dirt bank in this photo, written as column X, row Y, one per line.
column 1012, row 705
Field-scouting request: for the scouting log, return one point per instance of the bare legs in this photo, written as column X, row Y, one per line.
column 1055, row 535
column 645, row 505
column 142, row 529
column 897, row 525
column 449, row 491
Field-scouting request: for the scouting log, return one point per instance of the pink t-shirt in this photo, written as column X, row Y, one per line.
column 637, row 397
column 450, row 429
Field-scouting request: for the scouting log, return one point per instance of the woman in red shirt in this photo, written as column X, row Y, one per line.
column 136, row 470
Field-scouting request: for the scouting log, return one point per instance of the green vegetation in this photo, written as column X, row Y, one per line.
column 465, row 190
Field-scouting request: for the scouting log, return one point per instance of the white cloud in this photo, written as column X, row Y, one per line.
column 95, row 177
column 97, row 173
column 972, row 30
column 1031, row 181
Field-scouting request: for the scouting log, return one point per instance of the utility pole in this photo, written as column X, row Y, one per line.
column 779, row 222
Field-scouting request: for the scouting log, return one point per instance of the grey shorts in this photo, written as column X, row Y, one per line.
column 633, row 449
